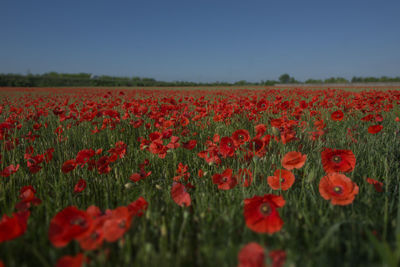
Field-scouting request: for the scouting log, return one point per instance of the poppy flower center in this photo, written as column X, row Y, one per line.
column 336, row 159
column 94, row 236
column 265, row 209
column 224, row 179
column 282, row 180
column 122, row 224
column 338, row 189
column 78, row 221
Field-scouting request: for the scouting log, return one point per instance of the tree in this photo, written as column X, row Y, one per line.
column 284, row 78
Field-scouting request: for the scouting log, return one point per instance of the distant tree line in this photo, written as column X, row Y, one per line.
column 54, row 79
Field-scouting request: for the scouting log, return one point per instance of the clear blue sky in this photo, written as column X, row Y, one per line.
column 202, row 40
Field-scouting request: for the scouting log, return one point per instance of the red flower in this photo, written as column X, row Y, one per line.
column 337, row 115
column 173, row 144
column 94, row 238
column 260, row 130
column 27, row 196
column 14, row 226
column 261, row 215
column 336, row 160
column 119, row 149
column 138, row 207
column 117, row 223
column 227, row 147
column 157, row 147
column 68, row 166
column 278, row 257
column 80, row 186
column 180, row 195
column 225, row 180
column 136, row 177
column 48, row 155
column 7, row 171
column 375, row 129
column 240, row 137
column 103, row 165
column 71, row 261
column 68, row 224
column 257, row 146
column 338, row 188
column 189, row 144
column 378, row 185
column 282, row 179
column 293, row 160
column 251, row 255
column 84, row 156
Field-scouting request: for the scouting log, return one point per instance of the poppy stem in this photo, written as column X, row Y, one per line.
column 385, row 216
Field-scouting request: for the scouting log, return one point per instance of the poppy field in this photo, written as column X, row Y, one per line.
column 191, row 177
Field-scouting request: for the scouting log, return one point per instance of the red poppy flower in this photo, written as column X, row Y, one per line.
column 27, row 196
column 136, row 177
column 282, row 179
column 84, row 156
column 337, row 115
column 256, row 145
column 227, row 147
column 251, row 255
column 375, row 129
column 157, row 147
column 14, row 226
column 338, row 188
column 225, row 180
column 174, row 143
column 189, row 144
column 260, row 130
column 180, row 195
column 336, row 160
column 278, row 258
column 117, row 223
column 103, row 165
column 293, row 160
column 94, row 238
column 68, row 166
column 200, row 173
column 119, row 149
column 369, row 117
column 27, row 193
column 71, row 261
column 68, row 224
column 7, row 171
column 138, row 207
column 378, row 185
column 80, row 186
column 261, row 215
column 48, row 155
column 240, row 137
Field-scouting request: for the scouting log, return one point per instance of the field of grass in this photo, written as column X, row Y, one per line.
column 134, row 177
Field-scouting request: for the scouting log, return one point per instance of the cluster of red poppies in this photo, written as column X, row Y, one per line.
column 168, row 122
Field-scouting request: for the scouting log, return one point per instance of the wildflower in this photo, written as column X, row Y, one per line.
column 336, row 160
column 338, row 188
column 282, row 179
column 293, row 160
column 261, row 215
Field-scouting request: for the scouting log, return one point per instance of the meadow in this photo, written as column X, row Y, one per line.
column 199, row 177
